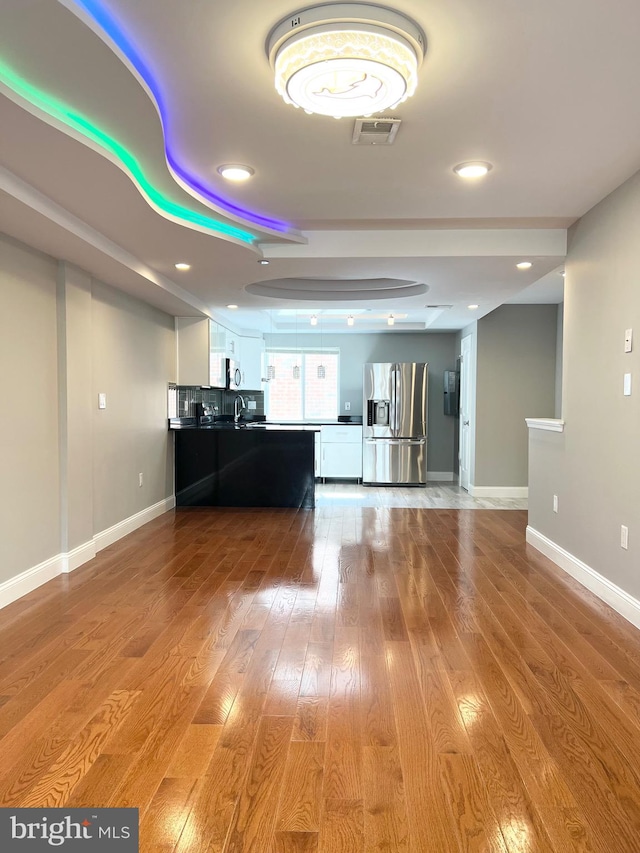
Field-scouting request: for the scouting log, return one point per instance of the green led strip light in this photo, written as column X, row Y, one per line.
column 82, row 125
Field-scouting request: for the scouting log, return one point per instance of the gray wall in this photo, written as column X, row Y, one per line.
column 515, row 379
column 439, row 349
column 133, row 359
column 71, row 470
column 29, row 497
column 594, row 466
column 559, row 346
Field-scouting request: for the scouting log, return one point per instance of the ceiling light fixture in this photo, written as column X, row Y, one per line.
column 472, row 169
column 472, row 307
column 235, row 172
column 524, row 265
column 390, row 320
column 350, row 320
column 182, row 267
column 233, row 307
column 346, row 59
column 263, row 262
column 314, row 320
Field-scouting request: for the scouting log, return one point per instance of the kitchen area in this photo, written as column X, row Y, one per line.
column 235, row 446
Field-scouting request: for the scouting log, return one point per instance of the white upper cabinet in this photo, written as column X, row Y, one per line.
column 192, row 335
column 200, row 352
column 250, row 360
column 203, row 345
column 232, row 346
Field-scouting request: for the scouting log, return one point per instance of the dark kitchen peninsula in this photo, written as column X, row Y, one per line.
column 248, row 466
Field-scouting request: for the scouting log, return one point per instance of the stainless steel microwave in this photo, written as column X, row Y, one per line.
column 233, row 374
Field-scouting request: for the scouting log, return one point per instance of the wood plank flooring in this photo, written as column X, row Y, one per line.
column 351, row 679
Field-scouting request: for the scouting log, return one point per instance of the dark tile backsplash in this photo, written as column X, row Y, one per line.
column 220, row 401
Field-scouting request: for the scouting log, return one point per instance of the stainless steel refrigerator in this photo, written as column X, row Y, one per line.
column 394, row 448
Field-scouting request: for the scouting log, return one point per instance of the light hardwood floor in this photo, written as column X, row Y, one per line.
column 345, row 679
column 435, row 495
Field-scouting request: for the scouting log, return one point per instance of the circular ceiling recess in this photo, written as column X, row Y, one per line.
column 337, row 289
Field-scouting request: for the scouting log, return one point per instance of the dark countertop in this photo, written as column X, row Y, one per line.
column 191, row 423
column 252, row 426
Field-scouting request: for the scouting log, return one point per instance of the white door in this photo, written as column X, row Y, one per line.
column 466, row 385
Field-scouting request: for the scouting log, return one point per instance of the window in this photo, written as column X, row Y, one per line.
column 308, row 398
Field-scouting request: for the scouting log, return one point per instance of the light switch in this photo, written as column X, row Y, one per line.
column 628, row 340
column 627, row 385
column 102, row 401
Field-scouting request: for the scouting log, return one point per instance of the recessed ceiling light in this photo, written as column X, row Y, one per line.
column 472, row 169
column 350, row 320
column 390, row 320
column 182, row 267
column 472, row 307
column 232, row 306
column 235, row 172
column 263, row 262
column 524, row 265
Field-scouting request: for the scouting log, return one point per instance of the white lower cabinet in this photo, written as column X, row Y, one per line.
column 340, row 452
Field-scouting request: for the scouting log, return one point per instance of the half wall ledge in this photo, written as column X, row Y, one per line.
column 549, row 424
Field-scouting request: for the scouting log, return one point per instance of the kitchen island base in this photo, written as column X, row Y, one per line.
column 245, row 468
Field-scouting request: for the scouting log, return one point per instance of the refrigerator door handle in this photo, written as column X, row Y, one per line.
column 395, row 382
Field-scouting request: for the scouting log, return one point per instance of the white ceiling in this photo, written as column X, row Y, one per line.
column 544, row 91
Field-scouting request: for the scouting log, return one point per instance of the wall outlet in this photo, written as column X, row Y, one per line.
column 140, row 479
column 555, row 503
column 347, row 407
column 624, row 537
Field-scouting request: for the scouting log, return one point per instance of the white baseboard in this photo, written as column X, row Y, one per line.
column 32, row 578
column 443, row 476
column 499, row 491
column 77, row 556
column 626, row 605
column 123, row 528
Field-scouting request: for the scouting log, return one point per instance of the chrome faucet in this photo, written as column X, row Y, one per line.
column 239, row 404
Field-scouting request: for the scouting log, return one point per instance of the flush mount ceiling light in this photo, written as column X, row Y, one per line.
column 472, row 169
column 263, row 262
column 232, row 307
column 346, row 59
column 235, row 172
column 472, row 307
column 524, row 265
column 182, row 267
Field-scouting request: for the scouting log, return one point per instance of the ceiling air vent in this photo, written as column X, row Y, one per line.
column 375, row 131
